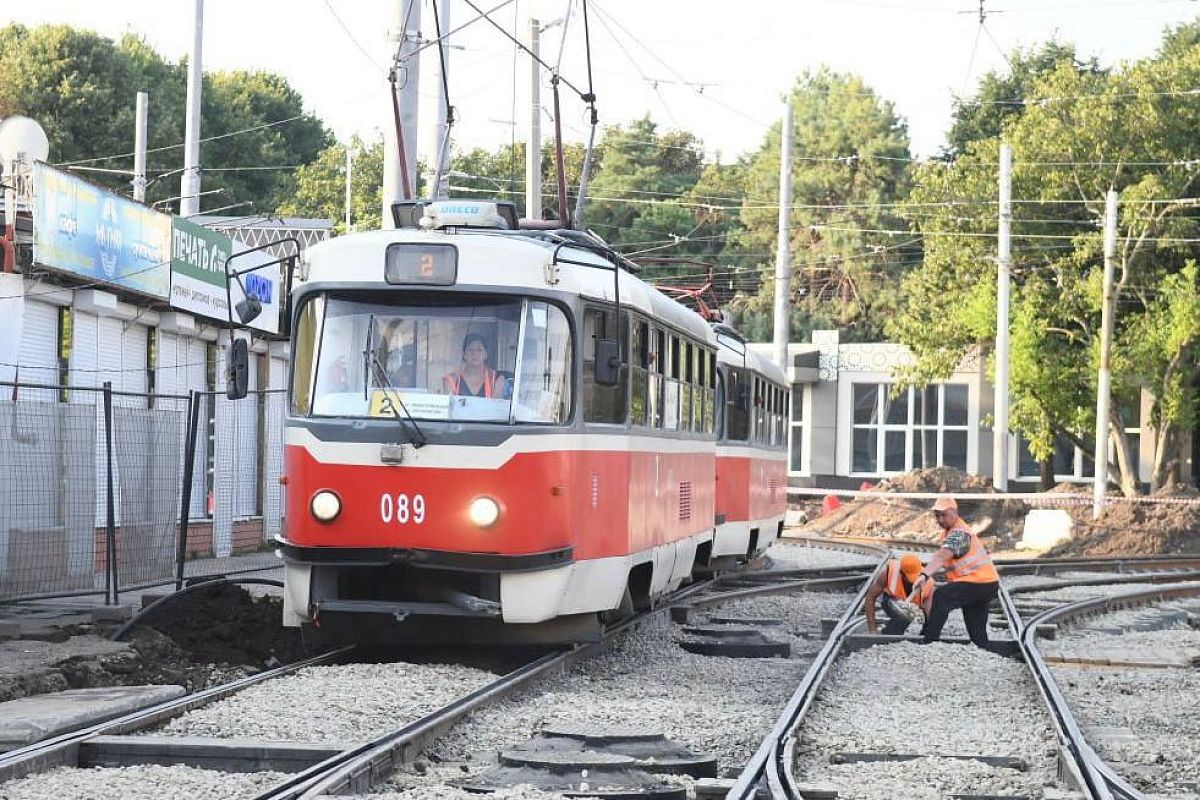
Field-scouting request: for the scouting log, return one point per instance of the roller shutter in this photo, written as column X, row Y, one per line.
column 38, row 359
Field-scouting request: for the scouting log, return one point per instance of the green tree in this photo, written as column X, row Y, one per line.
column 850, row 163
column 1132, row 130
column 321, row 186
column 641, row 174
column 81, row 87
column 1001, row 96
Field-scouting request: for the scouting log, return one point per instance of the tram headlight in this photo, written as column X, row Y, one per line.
column 325, row 505
column 484, row 511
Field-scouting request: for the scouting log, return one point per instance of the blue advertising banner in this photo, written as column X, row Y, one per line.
column 81, row 228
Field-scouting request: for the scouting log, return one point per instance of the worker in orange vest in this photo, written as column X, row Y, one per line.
column 972, row 582
column 892, row 586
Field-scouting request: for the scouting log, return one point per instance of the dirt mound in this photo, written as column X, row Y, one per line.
column 937, row 479
column 1136, row 528
column 999, row 521
column 224, row 624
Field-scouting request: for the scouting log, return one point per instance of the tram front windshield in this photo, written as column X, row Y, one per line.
column 485, row 360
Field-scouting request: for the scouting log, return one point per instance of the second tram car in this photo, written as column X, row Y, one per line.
column 505, row 435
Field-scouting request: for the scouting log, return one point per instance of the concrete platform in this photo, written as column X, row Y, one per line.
column 31, row 719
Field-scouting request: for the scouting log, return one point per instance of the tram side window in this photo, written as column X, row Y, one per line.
column 671, row 384
column 685, row 386
column 782, row 419
column 304, row 359
column 738, row 405
column 639, row 372
column 657, row 356
column 603, row 403
column 717, row 424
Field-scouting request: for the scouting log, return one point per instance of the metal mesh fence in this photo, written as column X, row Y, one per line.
column 239, row 462
column 48, row 542
column 148, row 451
column 56, row 444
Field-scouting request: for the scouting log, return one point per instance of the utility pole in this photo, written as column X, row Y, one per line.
column 441, row 148
column 1104, row 384
column 783, row 255
column 189, row 184
column 404, row 34
column 349, row 184
column 533, row 146
column 139, row 148
column 1003, row 267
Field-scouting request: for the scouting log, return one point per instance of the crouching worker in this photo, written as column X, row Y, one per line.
column 972, row 581
column 893, row 586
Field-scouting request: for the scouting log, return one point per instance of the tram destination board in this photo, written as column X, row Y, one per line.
column 424, row 264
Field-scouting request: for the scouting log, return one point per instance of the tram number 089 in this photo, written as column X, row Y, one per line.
column 402, row 508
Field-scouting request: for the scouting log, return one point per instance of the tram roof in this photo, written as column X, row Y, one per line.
column 503, row 260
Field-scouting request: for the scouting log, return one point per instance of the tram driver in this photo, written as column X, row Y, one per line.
column 474, row 378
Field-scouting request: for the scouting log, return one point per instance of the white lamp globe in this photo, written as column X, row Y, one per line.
column 23, row 135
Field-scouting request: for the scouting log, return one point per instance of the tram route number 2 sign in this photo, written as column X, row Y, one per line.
column 420, row 406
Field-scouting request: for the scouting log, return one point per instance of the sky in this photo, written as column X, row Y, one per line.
column 716, row 69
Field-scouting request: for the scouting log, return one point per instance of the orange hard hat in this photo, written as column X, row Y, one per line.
column 945, row 504
column 910, row 566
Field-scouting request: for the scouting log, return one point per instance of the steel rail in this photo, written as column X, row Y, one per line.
column 1109, row 784
column 361, row 769
column 1132, row 577
column 766, row 763
column 61, row 750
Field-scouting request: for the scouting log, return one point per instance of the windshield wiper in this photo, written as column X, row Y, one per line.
column 370, row 360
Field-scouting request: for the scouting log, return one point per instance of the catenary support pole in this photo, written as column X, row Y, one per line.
column 139, row 147
column 441, row 144
column 189, row 185
column 404, row 34
column 533, row 146
column 783, row 255
column 1104, row 383
column 1003, row 267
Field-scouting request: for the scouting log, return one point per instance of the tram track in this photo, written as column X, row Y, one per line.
column 779, row 765
column 359, row 765
column 598, row 693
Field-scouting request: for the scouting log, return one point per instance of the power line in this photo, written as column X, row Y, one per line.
column 350, row 34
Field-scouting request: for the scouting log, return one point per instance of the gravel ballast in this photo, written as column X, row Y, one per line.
column 138, row 783
column 784, row 554
column 712, row 705
column 335, row 704
column 1156, row 728
column 931, row 700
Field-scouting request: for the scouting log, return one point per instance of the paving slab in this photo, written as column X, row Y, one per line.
column 31, row 719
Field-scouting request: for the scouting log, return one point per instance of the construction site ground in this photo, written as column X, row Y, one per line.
column 1144, row 526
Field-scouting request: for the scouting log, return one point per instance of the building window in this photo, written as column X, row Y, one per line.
column 796, row 442
column 1071, row 463
column 916, row 428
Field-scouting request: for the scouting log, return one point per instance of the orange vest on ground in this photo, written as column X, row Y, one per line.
column 894, row 585
column 975, row 566
column 489, row 382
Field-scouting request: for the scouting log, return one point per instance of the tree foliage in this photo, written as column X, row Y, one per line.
column 1132, row 130
column 1001, row 95
column 850, row 164
column 81, row 87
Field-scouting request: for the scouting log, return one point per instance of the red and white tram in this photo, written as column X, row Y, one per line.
column 503, row 435
column 751, row 450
